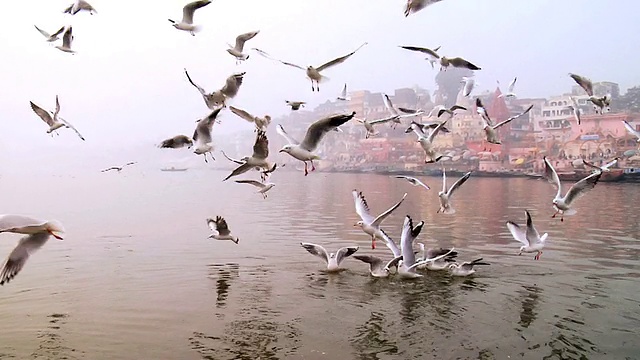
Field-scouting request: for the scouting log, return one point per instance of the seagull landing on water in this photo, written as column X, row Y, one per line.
column 118, row 168
column 67, row 39
column 561, row 204
column 413, row 181
column 303, row 151
column 509, row 93
column 432, row 55
column 202, row 135
column 445, row 195
column 220, row 230
column 490, row 130
column 466, row 268
column 631, row 130
column 529, row 237
column 219, row 98
column 369, row 224
column 55, row 122
column 37, row 231
column 237, row 50
column 600, row 103
column 79, row 5
column 343, row 95
column 263, row 187
column 295, row 105
column 333, row 260
column 50, row 37
column 186, row 24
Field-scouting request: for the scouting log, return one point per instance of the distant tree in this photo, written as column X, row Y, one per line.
column 630, row 101
column 449, row 84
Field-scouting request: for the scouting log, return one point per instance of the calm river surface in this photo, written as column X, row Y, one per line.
column 137, row 278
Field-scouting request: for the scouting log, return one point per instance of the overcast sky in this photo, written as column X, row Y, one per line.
column 126, row 83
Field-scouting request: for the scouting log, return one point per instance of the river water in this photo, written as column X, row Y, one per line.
column 137, row 278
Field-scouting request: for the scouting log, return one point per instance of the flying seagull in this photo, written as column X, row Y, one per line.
column 414, row 6
column 574, row 108
column 258, row 159
column 236, row 50
column 426, row 141
column 303, row 151
column 604, row 168
column 343, row 95
column 458, row 62
column 119, row 168
column 37, row 231
column 482, row 111
column 529, row 237
column 313, row 73
column 445, row 195
column 369, row 125
column 295, row 105
column 369, row 224
column 444, row 256
column 50, row 37
column 509, row 93
column 427, row 127
column 561, row 204
column 177, row 142
column 631, row 130
column 469, row 84
column 220, row 230
column 67, row 39
column 599, row 102
column 413, row 181
column 186, row 24
column 263, row 187
column 54, row 121
column 490, row 130
column 219, row 98
column 394, row 112
column 451, row 110
column 78, row 6
column 333, row 260
column 432, row 55
column 466, row 268
column 202, row 135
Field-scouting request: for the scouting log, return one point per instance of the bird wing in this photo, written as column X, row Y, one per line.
column 457, row 107
column 531, row 233
column 389, row 105
column 551, row 175
column 202, row 133
column 42, row 113
column 627, row 126
column 9, row 222
column 232, row 85
column 338, row 60
column 67, row 38
column 409, row 234
column 68, row 124
column 261, row 146
column 435, row 131
column 189, row 9
column 242, row 38
column 591, row 165
column 343, row 94
column 501, row 123
column 380, row 218
column 584, row 83
column 375, row 263
column 320, row 128
column 460, row 62
column 280, row 130
column 518, row 233
column 316, row 250
column 44, row 33
column 512, row 84
column 422, row 50
column 243, row 114
column 582, row 187
column 388, row 241
column 458, row 183
column 201, row 90
column 20, row 254
column 408, row 111
column 239, row 170
column 232, row 159
column 383, row 120
column 362, row 208
column 255, row 183
column 610, row 163
column 221, row 226
column 109, row 169
column 345, row 252
column 266, row 55
column 56, row 111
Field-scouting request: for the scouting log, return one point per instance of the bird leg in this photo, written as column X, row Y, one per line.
column 373, row 242
column 313, row 168
column 554, row 215
column 537, row 257
column 306, row 171
column 312, row 87
column 264, row 196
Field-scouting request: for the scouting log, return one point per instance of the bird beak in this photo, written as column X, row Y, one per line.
column 281, row 150
column 55, row 235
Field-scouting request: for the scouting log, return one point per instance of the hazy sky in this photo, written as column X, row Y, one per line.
column 126, row 83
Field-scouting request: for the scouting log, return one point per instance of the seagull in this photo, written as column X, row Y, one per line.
column 394, row 112
column 414, row 6
column 313, row 73
column 451, row 110
column 466, row 268
column 631, row 130
column 426, row 141
column 432, row 55
column 574, row 108
column 529, row 237
column 50, row 37
column 377, row 267
column 79, row 5
column 177, row 142
column 295, row 105
column 482, row 111
column 264, row 187
column 369, row 224
column 427, row 127
column 411, row 111
column 257, row 160
column 369, row 125
column 604, row 168
column 444, row 257
column 599, row 102
column 236, row 50
column 119, row 168
column 220, row 229
column 562, row 205
column 218, row 98
column 37, row 231
column 413, row 181
column 436, row 109
column 261, row 123
column 456, row 62
column 490, row 130
column 303, row 151
column 187, row 16
column 202, row 135
column 67, row 39
column 343, row 95
column 333, row 260
column 469, row 84
column 445, row 195
column 55, row 122
column 509, row 92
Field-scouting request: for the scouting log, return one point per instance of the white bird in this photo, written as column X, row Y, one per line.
column 369, row 224
column 54, row 121
column 67, row 39
column 261, row 123
column 396, row 113
column 257, row 160
column 295, row 105
column 529, row 237
column 237, row 50
column 414, row 6
column 469, row 84
column 78, row 6
column 186, row 24
column 604, row 168
column 599, row 102
column 263, row 187
column 574, row 108
column 426, row 141
column 220, row 230
column 444, row 196
column 457, row 62
column 509, row 93
column 482, row 111
column 119, row 168
column 490, row 130
column 466, row 268
column 443, row 258
column 451, row 110
column 427, row 127
column 432, row 55
column 631, row 130
column 263, row 173
column 561, row 204
column 313, row 73
column 219, row 98
column 377, row 267
column 303, row 151
column 333, row 260
column 343, row 95
column 413, row 181
column 202, row 135
column 50, row 37
column 369, row 125
column 37, row 231
column 177, row 142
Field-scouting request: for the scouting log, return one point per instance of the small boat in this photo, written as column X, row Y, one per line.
column 173, row 168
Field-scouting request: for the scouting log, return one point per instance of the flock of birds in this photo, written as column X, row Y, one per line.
column 403, row 257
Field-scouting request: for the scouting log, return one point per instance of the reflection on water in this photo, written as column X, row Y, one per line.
column 144, row 281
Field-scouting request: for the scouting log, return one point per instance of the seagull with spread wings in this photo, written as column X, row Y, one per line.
column 263, row 187
column 599, row 103
column 333, row 260
column 295, row 105
column 79, row 5
column 509, row 93
column 413, row 181
column 202, row 135
column 50, row 37
column 314, row 73
column 220, row 230
column 369, row 125
column 67, row 39
column 426, row 141
column 444, row 196
column 177, row 142
column 432, row 55
column 54, row 121
column 451, row 110
column 529, row 237
column 490, row 130
column 396, row 113
column 458, row 62
column 303, row 151
column 369, row 224
column 604, row 168
column 237, row 50
column 261, row 123
column 343, row 94
column 258, row 159
column 118, row 168
column 219, row 98
column 186, row 24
